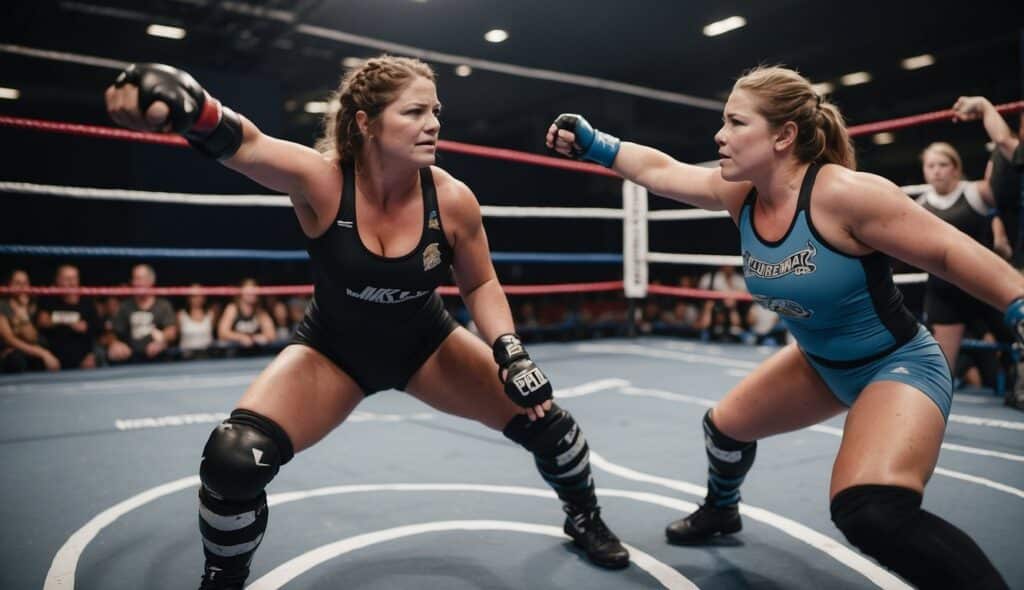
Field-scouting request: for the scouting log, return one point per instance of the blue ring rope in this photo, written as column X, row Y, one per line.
column 240, row 254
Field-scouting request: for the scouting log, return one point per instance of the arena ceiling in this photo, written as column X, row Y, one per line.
column 656, row 45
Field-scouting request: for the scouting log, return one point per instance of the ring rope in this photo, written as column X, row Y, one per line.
column 241, row 254
column 592, row 287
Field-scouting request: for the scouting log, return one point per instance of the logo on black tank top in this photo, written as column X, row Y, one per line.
column 431, row 256
column 433, row 222
column 798, row 263
column 384, row 295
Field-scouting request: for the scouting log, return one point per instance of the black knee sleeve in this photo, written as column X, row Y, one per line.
column 729, row 460
column 887, row 523
column 242, row 455
column 560, row 451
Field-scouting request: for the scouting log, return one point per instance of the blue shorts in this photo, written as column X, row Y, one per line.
column 919, row 363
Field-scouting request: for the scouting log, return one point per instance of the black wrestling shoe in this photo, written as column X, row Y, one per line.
column 704, row 523
column 593, row 536
column 216, row 578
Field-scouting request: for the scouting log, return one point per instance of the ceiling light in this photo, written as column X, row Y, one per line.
column 823, row 88
column 883, row 138
column 166, row 32
column 9, row 93
column 352, row 62
column 463, row 70
column 918, row 61
column 315, row 107
column 496, row 35
column 855, row 78
column 724, row 26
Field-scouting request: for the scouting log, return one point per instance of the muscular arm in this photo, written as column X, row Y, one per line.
column 174, row 100
column 8, row 337
column 224, row 331
column 969, row 108
column 663, row 175
column 1000, row 241
column 474, row 273
column 310, row 180
column 880, row 216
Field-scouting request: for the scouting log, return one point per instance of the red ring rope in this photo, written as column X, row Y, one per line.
column 293, row 290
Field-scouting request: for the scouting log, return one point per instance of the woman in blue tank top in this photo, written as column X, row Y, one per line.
column 815, row 236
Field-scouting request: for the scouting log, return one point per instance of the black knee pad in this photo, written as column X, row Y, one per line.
column 242, row 455
column 728, row 456
column 543, row 437
column 873, row 516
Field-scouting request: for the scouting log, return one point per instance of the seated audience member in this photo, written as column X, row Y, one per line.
column 282, row 322
column 69, row 322
column 20, row 345
column 720, row 318
column 196, row 325
column 144, row 326
column 765, row 325
column 244, row 321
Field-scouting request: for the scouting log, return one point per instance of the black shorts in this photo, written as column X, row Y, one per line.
column 378, row 355
column 946, row 304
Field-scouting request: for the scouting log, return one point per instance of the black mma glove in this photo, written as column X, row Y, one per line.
column 525, row 384
column 214, row 130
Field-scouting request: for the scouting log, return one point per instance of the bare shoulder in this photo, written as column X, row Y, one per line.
column 841, row 190
column 454, row 197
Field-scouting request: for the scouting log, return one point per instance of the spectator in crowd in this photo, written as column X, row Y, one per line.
column 296, row 310
column 720, row 318
column 282, row 323
column 684, row 315
column 144, row 326
column 765, row 325
column 20, row 345
column 244, row 321
column 69, row 322
column 196, row 325
column 966, row 206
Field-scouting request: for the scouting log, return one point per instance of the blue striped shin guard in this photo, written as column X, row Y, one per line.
column 729, row 461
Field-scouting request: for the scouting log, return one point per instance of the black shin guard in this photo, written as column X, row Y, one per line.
column 887, row 523
column 560, row 452
column 241, row 457
column 729, row 460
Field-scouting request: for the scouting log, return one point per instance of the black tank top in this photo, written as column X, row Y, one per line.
column 246, row 324
column 964, row 210
column 354, row 285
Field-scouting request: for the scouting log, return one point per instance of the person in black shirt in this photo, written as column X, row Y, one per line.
column 69, row 322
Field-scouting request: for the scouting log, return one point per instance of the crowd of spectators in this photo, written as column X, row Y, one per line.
column 72, row 331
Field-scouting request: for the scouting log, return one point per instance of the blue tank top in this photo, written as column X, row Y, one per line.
column 843, row 310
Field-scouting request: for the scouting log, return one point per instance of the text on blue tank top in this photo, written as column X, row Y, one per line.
column 354, row 284
column 838, row 307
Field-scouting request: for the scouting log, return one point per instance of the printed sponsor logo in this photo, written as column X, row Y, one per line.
column 798, row 263
column 385, row 296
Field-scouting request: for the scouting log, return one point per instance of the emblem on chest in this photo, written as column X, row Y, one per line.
column 783, row 307
column 431, row 256
column 798, row 263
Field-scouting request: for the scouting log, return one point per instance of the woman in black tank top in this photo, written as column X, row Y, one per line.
column 966, row 206
column 385, row 228
column 245, row 322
